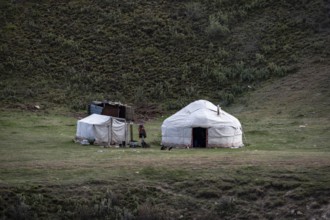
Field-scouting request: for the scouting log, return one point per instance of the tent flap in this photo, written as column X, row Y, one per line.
column 102, row 133
column 118, row 131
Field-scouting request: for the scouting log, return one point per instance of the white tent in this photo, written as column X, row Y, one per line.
column 202, row 124
column 104, row 129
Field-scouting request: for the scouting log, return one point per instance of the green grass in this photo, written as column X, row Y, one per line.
column 45, row 175
column 280, row 133
column 230, row 46
column 111, row 46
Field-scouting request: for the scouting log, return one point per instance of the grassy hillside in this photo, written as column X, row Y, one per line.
column 281, row 173
column 143, row 52
column 271, row 58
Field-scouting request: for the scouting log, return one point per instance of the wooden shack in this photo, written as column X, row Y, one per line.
column 115, row 109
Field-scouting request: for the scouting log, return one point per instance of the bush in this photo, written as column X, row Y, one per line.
column 223, row 54
column 139, row 97
column 260, row 58
column 190, row 91
column 78, row 104
column 20, row 209
column 226, row 98
column 276, row 70
column 194, row 10
column 219, row 76
column 262, row 74
column 237, row 89
column 10, row 27
column 215, row 29
column 147, row 211
column 225, row 206
column 158, row 91
column 174, row 104
column 104, row 207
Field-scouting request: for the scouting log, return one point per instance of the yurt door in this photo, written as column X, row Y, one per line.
column 199, row 137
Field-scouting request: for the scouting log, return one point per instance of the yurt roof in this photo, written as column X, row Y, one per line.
column 201, row 113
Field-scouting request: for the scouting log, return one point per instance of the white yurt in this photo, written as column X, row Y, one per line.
column 105, row 130
column 202, row 124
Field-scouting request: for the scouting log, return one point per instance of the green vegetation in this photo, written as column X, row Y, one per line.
column 283, row 172
column 268, row 59
column 55, row 52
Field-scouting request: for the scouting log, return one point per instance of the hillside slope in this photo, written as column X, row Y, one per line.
column 163, row 52
column 303, row 94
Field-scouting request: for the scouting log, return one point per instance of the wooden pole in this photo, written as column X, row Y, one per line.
column 131, row 130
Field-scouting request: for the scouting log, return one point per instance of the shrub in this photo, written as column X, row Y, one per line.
column 10, row 94
column 239, row 66
column 29, row 93
column 106, row 207
column 229, row 98
column 10, row 27
column 225, row 206
column 260, row 58
column 215, row 28
column 241, row 13
column 20, row 210
column 239, row 72
column 70, row 44
column 207, row 193
column 262, row 73
column 190, row 91
column 158, row 91
column 220, row 76
column 294, row 58
column 174, row 104
column 139, row 97
column 247, row 75
column 78, row 104
column 226, row 98
column 222, row 53
column 222, row 17
column 194, row 10
column 237, row 89
column 147, row 211
column 276, row 70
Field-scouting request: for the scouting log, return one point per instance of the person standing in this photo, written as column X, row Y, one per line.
column 142, row 134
